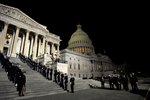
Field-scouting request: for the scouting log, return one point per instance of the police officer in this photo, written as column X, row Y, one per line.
column 72, row 80
column 62, row 80
column 21, row 80
column 102, row 81
column 51, row 73
column 55, row 75
column 65, row 81
column 125, row 82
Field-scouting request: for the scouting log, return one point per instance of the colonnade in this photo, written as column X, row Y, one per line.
column 82, row 49
column 19, row 40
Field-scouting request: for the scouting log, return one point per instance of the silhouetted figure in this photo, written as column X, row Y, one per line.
column 65, row 81
column 117, row 81
column 133, row 81
column 47, row 73
column 102, row 81
column 51, row 73
column 55, row 75
column 111, row 84
column 72, row 82
column 21, row 80
column 125, row 82
column 58, row 77
column 62, row 80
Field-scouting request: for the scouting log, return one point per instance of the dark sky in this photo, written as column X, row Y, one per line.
column 119, row 28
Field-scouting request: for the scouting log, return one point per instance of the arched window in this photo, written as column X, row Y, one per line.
column 70, row 65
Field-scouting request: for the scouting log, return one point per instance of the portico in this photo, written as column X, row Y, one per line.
column 21, row 34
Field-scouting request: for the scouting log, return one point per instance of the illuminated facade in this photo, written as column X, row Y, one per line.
column 81, row 58
column 21, row 34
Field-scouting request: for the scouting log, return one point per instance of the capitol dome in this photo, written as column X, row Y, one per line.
column 80, row 42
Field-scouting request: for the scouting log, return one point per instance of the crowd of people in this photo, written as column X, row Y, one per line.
column 58, row 77
column 121, row 81
column 14, row 74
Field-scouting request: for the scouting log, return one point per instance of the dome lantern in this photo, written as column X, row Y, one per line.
column 79, row 26
column 80, row 42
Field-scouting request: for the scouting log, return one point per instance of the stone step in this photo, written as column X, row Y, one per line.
column 36, row 84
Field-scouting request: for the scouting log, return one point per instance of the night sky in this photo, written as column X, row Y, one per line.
column 119, row 28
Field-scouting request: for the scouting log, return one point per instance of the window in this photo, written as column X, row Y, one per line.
column 78, row 66
column 70, row 65
column 74, row 65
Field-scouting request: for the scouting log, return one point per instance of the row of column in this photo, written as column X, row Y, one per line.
column 28, row 48
column 82, row 49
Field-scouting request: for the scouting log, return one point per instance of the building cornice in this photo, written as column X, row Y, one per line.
column 19, row 15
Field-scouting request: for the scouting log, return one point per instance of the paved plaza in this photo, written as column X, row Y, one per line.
column 38, row 88
column 91, row 94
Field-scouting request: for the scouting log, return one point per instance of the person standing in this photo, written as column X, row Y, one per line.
column 62, row 80
column 133, row 81
column 55, row 75
column 21, row 80
column 125, row 82
column 102, row 81
column 65, row 82
column 51, row 73
column 72, row 82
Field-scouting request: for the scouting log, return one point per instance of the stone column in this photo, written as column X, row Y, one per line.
column 39, row 48
column 52, row 49
column 3, row 36
column 35, row 47
column 11, row 45
column 22, row 44
column 15, row 43
column 58, row 50
column 26, row 48
column 31, row 46
column 43, row 46
column 83, row 49
column 44, row 49
column 47, row 48
column 80, row 50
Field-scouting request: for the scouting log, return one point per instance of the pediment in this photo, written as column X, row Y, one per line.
column 19, row 15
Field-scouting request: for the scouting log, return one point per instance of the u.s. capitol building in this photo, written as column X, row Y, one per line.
column 81, row 58
column 19, row 33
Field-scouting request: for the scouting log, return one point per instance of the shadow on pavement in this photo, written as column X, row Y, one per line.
column 141, row 92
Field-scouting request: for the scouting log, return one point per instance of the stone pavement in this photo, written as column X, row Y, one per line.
column 92, row 94
column 39, row 88
column 36, row 85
